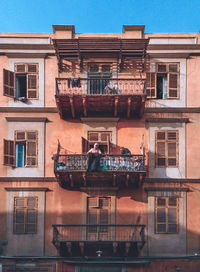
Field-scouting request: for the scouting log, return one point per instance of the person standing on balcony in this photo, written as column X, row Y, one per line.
column 94, row 158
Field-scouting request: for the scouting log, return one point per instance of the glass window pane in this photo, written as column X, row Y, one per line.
column 19, row 201
column 161, row 201
column 31, row 228
column 172, row 201
column 161, row 228
column 172, row 228
column 31, row 202
column 172, row 215
column 19, row 216
column 161, row 215
column 31, row 216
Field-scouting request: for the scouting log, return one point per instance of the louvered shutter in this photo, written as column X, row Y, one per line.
column 151, row 85
column 8, row 83
column 172, row 148
column 32, row 86
column 92, row 214
column 31, row 148
column 9, row 152
column 85, row 145
column 20, row 68
column 160, row 148
column 173, row 85
column 173, row 80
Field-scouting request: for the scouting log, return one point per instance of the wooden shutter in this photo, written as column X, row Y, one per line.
column 20, row 68
column 172, row 146
column 25, row 215
column 174, row 78
column 173, row 85
column 8, row 83
column 160, row 148
column 167, row 148
column 9, row 152
column 151, row 85
column 31, row 148
column 166, row 215
column 85, row 145
column 32, row 86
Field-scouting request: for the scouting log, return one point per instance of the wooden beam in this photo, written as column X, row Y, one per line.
column 84, row 179
column 115, row 245
column 127, row 179
column 142, row 106
column 129, row 108
column 84, row 106
column 127, row 245
column 69, row 247
column 141, row 177
column 71, row 180
column 116, row 105
column 81, row 245
column 114, row 179
column 72, row 106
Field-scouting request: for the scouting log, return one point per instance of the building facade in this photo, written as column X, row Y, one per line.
column 134, row 207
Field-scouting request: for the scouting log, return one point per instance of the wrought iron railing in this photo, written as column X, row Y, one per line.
column 81, row 86
column 79, row 162
column 127, row 233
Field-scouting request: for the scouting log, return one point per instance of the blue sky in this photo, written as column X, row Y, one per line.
column 100, row 16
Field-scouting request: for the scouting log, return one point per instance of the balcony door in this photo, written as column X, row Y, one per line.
column 98, row 76
column 98, row 213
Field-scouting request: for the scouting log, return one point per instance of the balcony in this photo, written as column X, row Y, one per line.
column 120, row 171
column 100, row 97
column 99, row 240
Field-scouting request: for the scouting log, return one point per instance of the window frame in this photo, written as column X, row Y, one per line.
column 152, row 80
column 28, row 73
column 25, row 208
column 99, row 140
column 166, row 207
column 9, row 150
column 26, row 140
column 166, row 141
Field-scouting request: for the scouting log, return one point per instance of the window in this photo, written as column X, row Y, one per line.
column 99, row 67
column 25, row 215
column 98, row 214
column 98, row 75
column 23, row 83
column 164, row 83
column 167, row 148
column 166, row 214
column 23, row 150
column 102, row 137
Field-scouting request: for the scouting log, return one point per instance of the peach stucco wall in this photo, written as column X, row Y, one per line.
column 4, row 64
column 193, row 82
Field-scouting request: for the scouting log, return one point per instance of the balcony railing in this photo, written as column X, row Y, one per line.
column 119, row 233
column 79, row 162
column 100, row 86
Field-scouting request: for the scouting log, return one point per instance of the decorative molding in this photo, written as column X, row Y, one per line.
column 168, row 120
column 27, row 46
column 29, row 109
column 28, row 179
column 26, row 119
column 13, row 189
column 99, row 119
column 167, row 189
column 172, row 110
column 174, row 47
column 133, row 28
column 64, row 28
column 171, row 180
column 29, row 55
